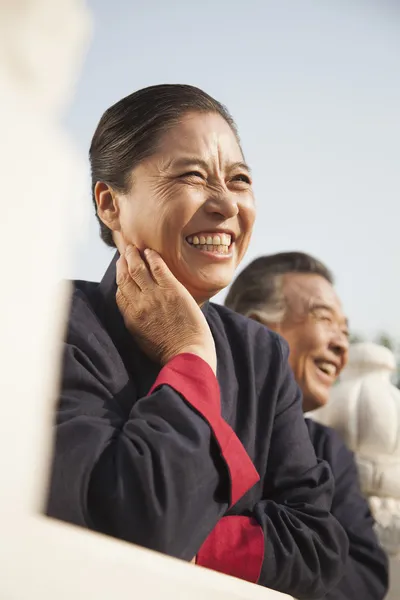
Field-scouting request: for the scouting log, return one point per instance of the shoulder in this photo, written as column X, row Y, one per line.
column 253, row 350
column 327, row 435
column 248, row 332
column 84, row 299
column 349, row 506
column 329, row 446
column 89, row 347
column 85, row 310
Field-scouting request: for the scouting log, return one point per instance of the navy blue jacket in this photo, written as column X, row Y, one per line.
column 366, row 573
column 163, row 457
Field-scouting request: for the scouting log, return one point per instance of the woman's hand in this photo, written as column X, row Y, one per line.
column 158, row 311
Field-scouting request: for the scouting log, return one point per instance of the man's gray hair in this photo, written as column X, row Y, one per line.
column 258, row 289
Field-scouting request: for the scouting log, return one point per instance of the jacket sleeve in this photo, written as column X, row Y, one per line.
column 294, row 544
column 366, row 572
column 159, row 473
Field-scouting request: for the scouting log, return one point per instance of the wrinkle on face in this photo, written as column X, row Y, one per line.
column 210, row 147
column 304, row 294
column 316, row 329
column 164, row 204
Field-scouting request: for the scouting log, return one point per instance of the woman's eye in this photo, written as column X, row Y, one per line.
column 193, row 174
column 242, row 177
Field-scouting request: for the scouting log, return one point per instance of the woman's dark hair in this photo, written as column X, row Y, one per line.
column 129, row 130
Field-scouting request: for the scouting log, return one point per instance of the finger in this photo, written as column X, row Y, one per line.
column 138, row 269
column 120, row 242
column 158, row 269
column 124, row 281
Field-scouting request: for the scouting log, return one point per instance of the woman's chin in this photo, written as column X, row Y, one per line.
column 204, row 289
column 204, row 281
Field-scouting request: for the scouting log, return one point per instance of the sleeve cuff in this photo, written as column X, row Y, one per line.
column 234, row 547
column 193, row 378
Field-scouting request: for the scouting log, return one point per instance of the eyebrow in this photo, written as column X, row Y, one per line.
column 193, row 160
column 321, row 305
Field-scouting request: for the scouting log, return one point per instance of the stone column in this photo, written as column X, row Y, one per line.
column 364, row 407
column 42, row 43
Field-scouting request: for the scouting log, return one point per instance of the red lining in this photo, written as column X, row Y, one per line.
column 194, row 379
column 234, row 547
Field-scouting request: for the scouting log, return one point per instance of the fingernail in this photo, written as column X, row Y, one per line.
column 147, row 251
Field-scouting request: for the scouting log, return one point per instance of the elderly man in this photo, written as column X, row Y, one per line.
column 292, row 293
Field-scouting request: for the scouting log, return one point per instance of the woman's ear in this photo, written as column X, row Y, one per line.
column 107, row 205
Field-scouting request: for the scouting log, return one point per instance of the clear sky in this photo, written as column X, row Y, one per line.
column 314, row 86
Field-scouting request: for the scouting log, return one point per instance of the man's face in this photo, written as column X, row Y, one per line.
column 317, row 332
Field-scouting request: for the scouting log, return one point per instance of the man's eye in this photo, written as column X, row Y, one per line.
column 326, row 318
column 321, row 315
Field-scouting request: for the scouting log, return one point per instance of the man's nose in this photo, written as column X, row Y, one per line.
column 339, row 343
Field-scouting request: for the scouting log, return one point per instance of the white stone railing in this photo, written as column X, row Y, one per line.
column 41, row 46
column 365, row 409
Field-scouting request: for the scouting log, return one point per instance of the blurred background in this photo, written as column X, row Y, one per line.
column 315, row 89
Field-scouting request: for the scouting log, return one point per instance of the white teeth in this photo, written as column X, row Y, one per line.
column 215, row 241
column 211, row 248
column 327, row 368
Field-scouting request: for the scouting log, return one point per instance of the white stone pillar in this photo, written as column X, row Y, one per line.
column 41, row 47
column 365, row 409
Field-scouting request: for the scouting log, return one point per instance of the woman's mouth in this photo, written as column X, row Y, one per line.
column 218, row 243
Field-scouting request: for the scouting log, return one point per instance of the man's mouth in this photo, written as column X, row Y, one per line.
column 211, row 242
column 327, row 367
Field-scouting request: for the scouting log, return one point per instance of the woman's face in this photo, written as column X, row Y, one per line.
column 191, row 201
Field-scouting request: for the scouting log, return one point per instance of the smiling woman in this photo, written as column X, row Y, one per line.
column 199, row 207
column 179, row 425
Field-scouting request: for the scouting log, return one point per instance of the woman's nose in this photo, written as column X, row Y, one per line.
column 222, row 203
